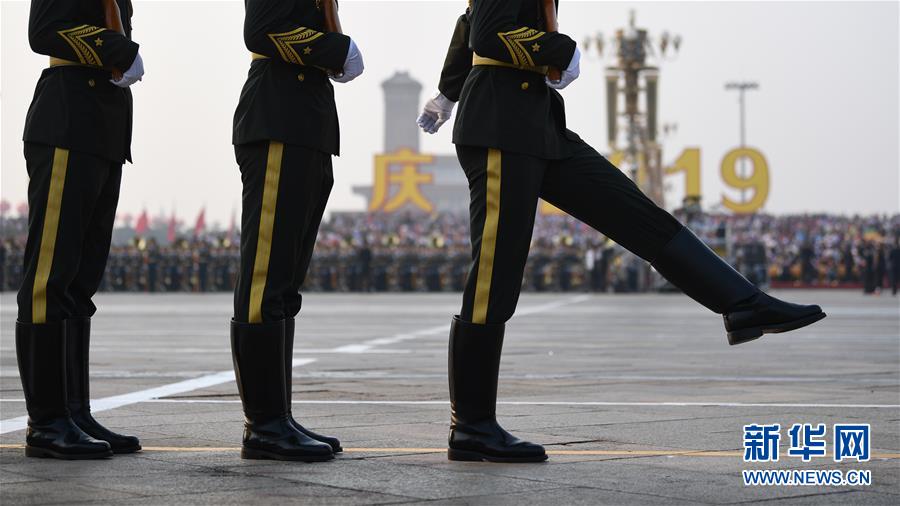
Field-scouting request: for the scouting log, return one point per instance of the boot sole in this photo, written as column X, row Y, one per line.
column 470, row 456
column 43, row 453
column 742, row 336
column 253, row 454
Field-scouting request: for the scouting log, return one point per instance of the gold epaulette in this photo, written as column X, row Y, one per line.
column 481, row 60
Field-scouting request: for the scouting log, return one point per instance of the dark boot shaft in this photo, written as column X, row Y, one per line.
column 474, row 368
column 78, row 342
column 41, row 354
column 289, row 327
column 258, row 354
column 701, row 274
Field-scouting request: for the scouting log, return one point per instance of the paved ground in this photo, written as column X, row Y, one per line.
column 638, row 398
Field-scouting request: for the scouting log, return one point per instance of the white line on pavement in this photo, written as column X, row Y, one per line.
column 883, row 380
column 366, row 347
column 584, row 403
column 117, row 401
column 19, row 423
column 225, row 349
column 543, row 403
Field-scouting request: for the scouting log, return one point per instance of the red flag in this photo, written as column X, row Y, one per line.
column 143, row 223
column 173, row 224
column 200, row 226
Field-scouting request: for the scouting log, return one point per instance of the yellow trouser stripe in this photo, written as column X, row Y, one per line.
column 48, row 235
column 266, row 224
column 488, row 238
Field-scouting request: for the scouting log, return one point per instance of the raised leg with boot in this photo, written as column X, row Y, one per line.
column 594, row 191
column 748, row 312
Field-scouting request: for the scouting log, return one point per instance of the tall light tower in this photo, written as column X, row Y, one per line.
column 631, row 87
column 742, row 87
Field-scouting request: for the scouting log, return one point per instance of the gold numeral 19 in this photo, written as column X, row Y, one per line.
column 757, row 180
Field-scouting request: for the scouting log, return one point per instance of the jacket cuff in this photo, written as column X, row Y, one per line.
column 566, row 55
column 129, row 54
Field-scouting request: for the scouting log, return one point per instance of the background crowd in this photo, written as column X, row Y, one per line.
column 415, row 252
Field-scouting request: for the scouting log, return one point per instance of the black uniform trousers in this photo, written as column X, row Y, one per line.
column 286, row 188
column 504, row 189
column 72, row 199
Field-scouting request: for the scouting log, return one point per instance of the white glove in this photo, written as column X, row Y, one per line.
column 134, row 73
column 570, row 74
column 353, row 66
column 436, row 112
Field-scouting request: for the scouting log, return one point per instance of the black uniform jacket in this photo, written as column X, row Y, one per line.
column 75, row 106
column 507, row 108
column 288, row 96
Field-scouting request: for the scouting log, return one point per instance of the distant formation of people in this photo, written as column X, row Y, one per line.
column 417, row 253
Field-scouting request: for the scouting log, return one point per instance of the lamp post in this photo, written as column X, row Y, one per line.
column 742, row 87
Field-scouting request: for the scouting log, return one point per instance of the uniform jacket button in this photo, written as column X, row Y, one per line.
column 301, row 77
column 91, row 83
column 525, row 85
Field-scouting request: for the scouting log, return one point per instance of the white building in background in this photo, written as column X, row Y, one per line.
column 404, row 178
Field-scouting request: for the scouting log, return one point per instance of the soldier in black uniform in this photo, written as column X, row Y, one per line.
column 77, row 136
column 285, row 133
column 513, row 145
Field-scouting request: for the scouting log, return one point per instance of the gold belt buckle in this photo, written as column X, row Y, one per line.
column 59, row 62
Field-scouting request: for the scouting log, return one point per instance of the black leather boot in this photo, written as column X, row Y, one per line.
column 78, row 341
column 474, row 363
column 258, row 353
column 51, row 433
column 333, row 442
column 748, row 312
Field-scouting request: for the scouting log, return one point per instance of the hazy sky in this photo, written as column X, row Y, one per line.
column 826, row 115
